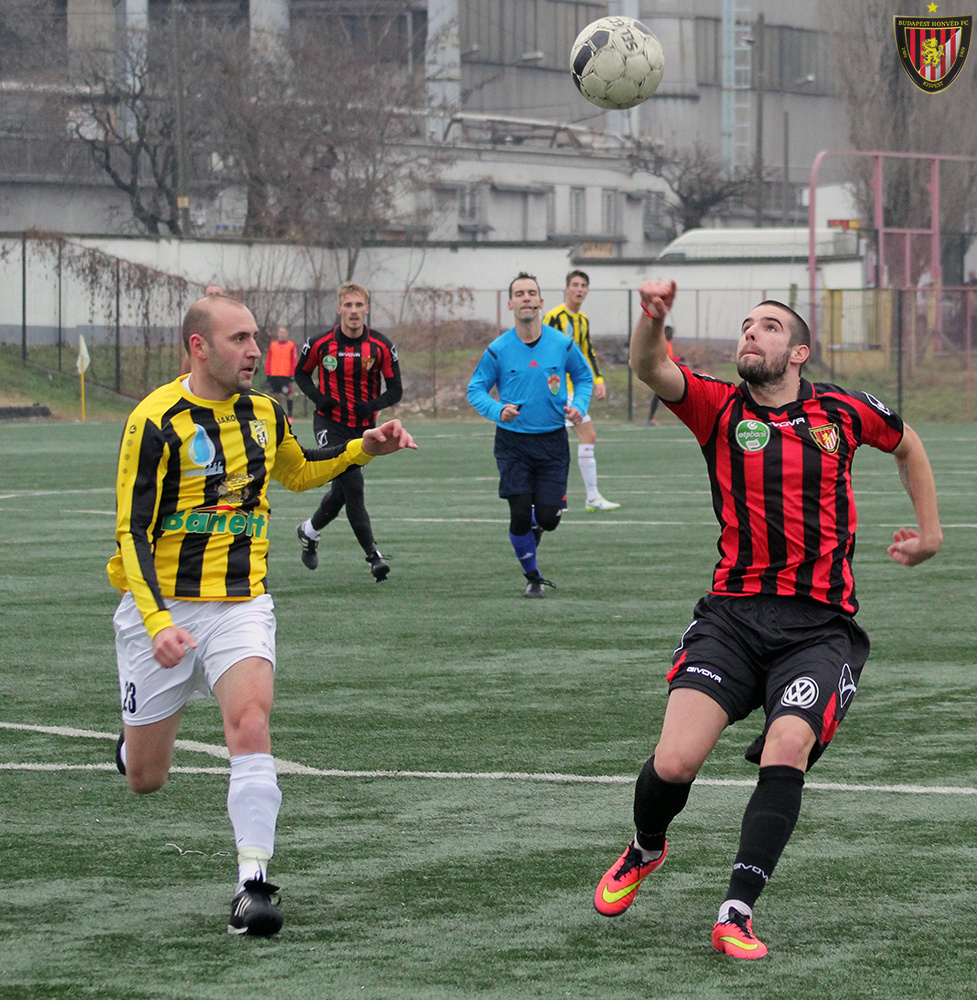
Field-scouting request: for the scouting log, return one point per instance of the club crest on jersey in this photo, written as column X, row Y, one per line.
column 370, row 362
column 827, row 437
column 752, row 435
column 932, row 49
column 259, row 431
column 554, row 383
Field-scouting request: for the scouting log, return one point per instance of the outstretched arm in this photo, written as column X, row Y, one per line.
column 649, row 358
column 387, row 439
column 910, row 546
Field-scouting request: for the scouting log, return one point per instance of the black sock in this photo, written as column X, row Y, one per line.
column 656, row 804
column 767, row 825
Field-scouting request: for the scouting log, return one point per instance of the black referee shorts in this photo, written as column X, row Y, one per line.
column 537, row 464
column 787, row 654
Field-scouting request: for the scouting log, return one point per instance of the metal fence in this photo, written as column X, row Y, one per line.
column 53, row 291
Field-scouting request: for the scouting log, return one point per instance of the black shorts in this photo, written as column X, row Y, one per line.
column 328, row 432
column 279, row 383
column 537, row 464
column 789, row 655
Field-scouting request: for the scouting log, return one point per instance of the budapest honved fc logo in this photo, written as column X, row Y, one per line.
column 932, row 49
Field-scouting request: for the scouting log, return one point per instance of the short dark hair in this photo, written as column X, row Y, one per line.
column 577, row 274
column 800, row 332
column 522, row 275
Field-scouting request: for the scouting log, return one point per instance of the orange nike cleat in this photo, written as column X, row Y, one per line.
column 617, row 889
column 735, row 937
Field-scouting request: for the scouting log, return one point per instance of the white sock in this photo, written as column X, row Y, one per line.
column 646, row 855
column 588, row 469
column 253, row 801
column 734, row 904
column 310, row 532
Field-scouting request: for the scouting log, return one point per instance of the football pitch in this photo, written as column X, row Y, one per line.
column 457, row 762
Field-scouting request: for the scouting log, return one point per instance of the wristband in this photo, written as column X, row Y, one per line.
column 645, row 311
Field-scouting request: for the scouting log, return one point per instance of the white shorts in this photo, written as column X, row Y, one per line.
column 569, row 423
column 226, row 633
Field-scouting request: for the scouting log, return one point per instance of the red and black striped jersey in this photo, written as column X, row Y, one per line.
column 781, row 484
column 337, row 372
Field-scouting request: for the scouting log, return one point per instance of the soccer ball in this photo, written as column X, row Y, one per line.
column 616, row 62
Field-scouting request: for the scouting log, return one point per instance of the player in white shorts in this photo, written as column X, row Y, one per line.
column 195, row 617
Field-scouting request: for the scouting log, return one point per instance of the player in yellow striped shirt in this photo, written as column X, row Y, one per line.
column 192, row 530
column 568, row 319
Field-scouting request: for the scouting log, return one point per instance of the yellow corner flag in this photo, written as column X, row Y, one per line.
column 84, row 360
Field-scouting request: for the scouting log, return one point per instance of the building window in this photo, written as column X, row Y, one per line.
column 469, row 205
column 610, row 212
column 578, row 210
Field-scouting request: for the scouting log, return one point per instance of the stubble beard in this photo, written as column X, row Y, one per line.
column 760, row 371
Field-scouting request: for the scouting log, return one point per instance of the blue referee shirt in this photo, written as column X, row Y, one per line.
column 533, row 376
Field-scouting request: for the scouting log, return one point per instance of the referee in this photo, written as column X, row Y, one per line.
column 777, row 629
column 530, row 366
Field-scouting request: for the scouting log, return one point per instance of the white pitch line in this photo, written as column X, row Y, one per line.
column 293, row 767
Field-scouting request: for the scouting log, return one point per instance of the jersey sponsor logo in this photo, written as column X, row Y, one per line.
column 827, row 437
column 554, row 384
column 788, row 423
column 751, row 435
column 802, row 693
column 217, row 520
column 201, row 452
column 330, row 363
column 259, row 431
column 846, row 685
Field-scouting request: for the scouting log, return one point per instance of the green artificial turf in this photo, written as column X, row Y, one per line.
column 470, row 871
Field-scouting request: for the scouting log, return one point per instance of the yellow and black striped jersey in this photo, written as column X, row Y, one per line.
column 193, row 516
column 577, row 326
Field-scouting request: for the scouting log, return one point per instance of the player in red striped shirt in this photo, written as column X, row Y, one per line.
column 342, row 371
column 777, row 629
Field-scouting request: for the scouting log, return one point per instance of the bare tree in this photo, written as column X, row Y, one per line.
column 887, row 112
column 128, row 123
column 699, row 184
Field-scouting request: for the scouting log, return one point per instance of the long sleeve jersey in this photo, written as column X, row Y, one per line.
column 193, row 516
column 533, row 376
column 342, row 375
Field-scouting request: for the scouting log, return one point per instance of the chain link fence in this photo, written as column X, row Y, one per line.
column 55, row 291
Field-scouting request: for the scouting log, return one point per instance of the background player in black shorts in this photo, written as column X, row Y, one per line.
column 777, row 629
column 341, row 370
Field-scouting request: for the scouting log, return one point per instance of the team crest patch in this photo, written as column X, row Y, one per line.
column 751, row 435
column 932, row 49
column 370, row 362
column 827, row 438
column 259, row 431
column 554, row 383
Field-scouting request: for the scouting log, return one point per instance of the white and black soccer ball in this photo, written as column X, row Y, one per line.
column 616, row 62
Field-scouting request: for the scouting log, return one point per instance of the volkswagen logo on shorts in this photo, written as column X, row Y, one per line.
column 802, row 693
